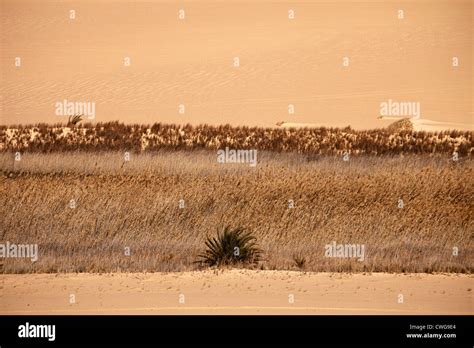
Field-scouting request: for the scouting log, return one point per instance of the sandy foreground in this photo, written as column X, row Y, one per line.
column 236, row 292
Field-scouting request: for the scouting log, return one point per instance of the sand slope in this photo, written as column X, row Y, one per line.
column 237, row 292
column 282, row 61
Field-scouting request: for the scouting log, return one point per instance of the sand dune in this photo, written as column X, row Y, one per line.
column 190, row 61
column 237, row 292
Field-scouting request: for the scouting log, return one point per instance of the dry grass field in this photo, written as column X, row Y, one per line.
column 135, row 204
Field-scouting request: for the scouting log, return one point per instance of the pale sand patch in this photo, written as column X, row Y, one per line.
column 237, row 292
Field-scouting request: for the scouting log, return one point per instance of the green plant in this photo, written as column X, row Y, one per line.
column 231, row 246
column 299, row 260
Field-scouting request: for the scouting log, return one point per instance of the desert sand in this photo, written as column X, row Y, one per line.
column 237, row 292
column 190, row 61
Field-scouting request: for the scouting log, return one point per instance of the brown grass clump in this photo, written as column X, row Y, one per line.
column 114, row 136
column 137, row 205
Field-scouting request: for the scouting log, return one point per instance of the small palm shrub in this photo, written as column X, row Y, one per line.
column 74, row 120
column 230, row 247
column 299, row 260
